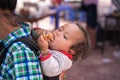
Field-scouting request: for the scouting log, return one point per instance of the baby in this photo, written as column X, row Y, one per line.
column 62, row 47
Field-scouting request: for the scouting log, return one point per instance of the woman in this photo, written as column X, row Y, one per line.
column 20, row 62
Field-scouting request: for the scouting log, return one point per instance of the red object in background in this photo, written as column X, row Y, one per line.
column 59, row 1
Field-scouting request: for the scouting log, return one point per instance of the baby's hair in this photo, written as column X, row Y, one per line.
column 82, row 47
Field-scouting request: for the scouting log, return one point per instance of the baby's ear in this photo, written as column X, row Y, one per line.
column 72, row 51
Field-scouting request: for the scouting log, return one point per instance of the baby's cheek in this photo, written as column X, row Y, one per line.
column 51, row 45
column 54, row 45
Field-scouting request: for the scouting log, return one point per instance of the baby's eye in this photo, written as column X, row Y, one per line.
column 65, row 37
column 60, row 29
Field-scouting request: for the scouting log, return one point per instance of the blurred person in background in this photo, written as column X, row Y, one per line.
column 91, row 11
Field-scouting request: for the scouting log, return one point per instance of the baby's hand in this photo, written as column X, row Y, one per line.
column 47, row 36
column 43, row 41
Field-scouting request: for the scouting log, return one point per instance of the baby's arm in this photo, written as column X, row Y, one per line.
column 43, row 43
column 54, row 63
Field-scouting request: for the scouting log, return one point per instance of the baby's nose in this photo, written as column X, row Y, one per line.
column 57, row 34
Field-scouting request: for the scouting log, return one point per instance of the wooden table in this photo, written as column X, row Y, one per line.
column 35, row 20
column 115, row 29
column 25, row 15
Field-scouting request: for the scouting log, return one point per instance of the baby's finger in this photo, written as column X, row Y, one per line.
column 41, row 38
column 44, row 35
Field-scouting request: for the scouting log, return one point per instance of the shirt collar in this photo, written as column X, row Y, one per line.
column 70, row 56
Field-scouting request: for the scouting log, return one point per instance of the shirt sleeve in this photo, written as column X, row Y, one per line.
column 54, row 63
column 27, row 66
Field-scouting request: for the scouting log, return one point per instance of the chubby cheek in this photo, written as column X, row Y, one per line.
column 55, row 45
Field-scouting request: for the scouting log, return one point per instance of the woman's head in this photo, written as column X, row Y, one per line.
column 71, row 38
column 8, row 4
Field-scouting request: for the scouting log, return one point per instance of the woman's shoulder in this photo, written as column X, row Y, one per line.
column 18, row 33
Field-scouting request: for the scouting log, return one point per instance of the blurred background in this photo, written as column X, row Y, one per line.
column 104, row 63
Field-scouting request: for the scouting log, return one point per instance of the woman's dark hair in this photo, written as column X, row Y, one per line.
column 7, row 7
column 81, row 48
column 8, row 4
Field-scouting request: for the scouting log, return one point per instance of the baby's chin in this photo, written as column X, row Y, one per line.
column 51, row 46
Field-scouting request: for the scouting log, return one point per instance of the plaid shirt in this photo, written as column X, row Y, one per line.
column 20, row 63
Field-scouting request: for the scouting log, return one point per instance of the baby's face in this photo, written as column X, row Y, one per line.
column 65, row 37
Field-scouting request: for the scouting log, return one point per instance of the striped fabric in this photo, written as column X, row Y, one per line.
column 117, row 4
column 20, row 63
